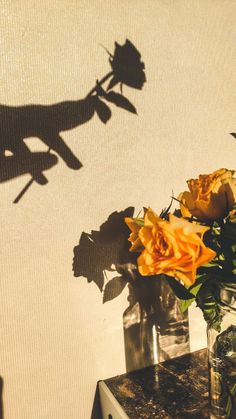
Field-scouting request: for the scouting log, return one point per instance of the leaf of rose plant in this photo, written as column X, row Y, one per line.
column 179, row 289
column 164, row 213
column 193, row 289
column 114, row 288
column 185, row 304
column 228, row 238
column 207, row 300
column 212, row 239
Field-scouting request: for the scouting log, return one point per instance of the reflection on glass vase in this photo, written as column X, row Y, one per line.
column 154, row 327
column 222, row 359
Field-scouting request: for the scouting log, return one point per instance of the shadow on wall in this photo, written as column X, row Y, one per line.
column 96, row 410
column 46, row 122
column 154, row 327
column 1, row 402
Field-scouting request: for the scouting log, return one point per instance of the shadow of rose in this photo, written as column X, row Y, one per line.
column 155, row 329
column 47, row 122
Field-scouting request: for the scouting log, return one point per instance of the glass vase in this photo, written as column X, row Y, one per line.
column 155, row 329
column 222, row 359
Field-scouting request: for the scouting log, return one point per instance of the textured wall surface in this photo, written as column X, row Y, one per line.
column 57, row 338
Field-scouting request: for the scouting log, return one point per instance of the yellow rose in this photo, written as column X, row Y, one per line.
column 211, row 196
column 173, row 247
column 134, row 226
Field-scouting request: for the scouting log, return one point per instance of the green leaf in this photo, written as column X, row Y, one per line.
column 207, row 300
column 165, row 211
column 233, row 390
column 193, row 289
column 234, row 248
column 215, row 262
column 214, row 271
column 179, row 289
column 228, row 239
column 215, row 225
column 185, row 304
column 228, row 408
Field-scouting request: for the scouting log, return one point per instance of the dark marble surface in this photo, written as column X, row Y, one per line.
column 174, row 389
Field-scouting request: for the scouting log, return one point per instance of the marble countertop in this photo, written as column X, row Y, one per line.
column 176, row 389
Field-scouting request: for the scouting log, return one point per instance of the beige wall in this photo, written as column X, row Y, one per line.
column 57, row 338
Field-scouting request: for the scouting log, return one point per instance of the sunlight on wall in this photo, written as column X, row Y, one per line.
column 57, row 337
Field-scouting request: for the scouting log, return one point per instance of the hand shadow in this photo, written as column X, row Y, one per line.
column 154, row 327
column 46, row 122
column 14, row 166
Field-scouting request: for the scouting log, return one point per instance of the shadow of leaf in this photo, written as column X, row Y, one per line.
column 154, row 326
column 46, row 122
column 103, row 111
column 113, row 288
column 105, row 250
column 87, row 262
column 120, row 101
column 117, row 99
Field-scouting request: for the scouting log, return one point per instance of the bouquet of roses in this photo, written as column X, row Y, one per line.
column 195, row 247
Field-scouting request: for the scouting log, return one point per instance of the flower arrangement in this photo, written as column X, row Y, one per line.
column 195, row 247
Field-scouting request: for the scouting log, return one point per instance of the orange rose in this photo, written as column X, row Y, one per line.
column 211, row 196
column 134, row 225
column 173, row 247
